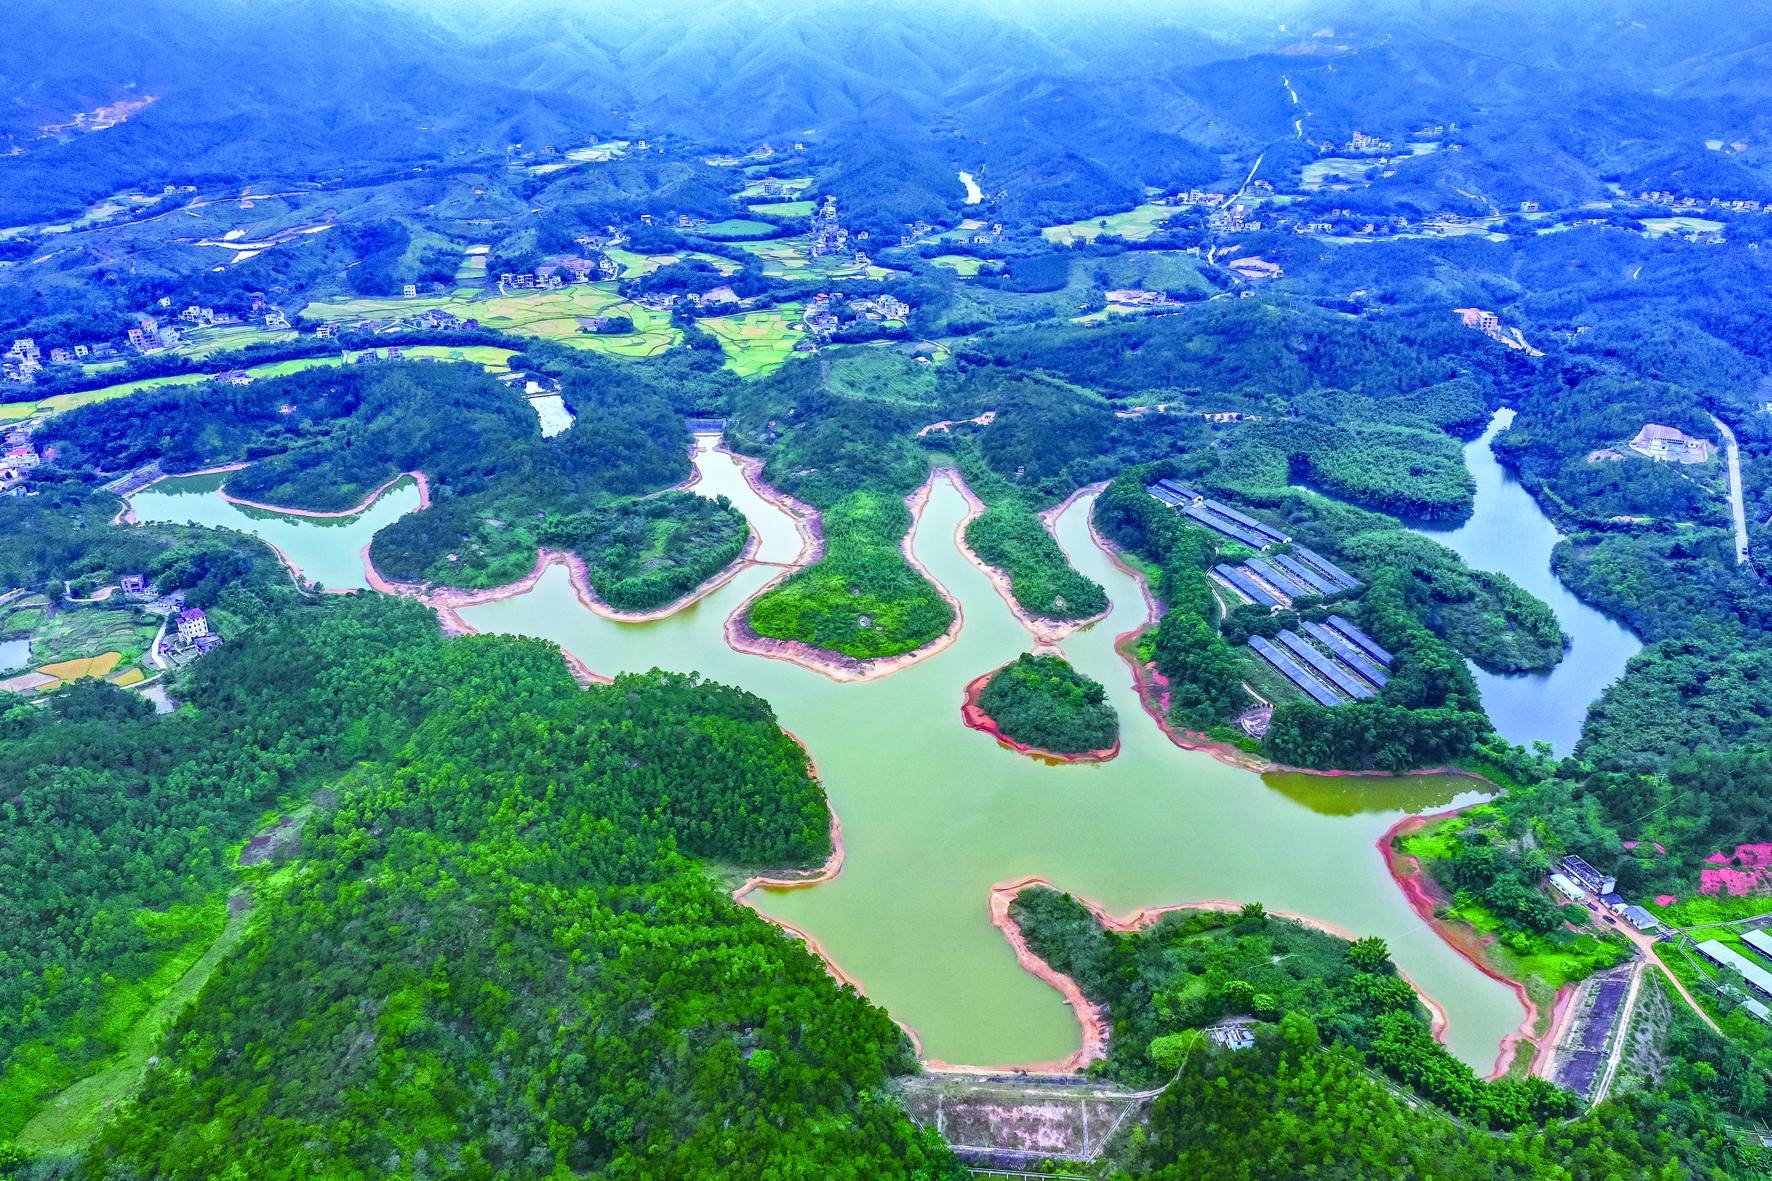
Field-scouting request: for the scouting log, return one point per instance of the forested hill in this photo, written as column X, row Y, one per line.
column 409, row 85
column 492, row 952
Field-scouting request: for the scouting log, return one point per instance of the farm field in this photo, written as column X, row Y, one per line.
column 736, row 227
column 784, row 208
column 552, row 315
column 967, row 227
column 82, row 666
column 756, row 342
column 64, row 640
column 472, row 272
column 963, row 265
column 1156, row 270
column 1135, row 225
column 789, row 258
column 634, row 265
column 202, row 343
column 495, row 360
column 1655, row 227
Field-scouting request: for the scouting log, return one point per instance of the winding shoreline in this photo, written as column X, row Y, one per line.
column 744, row 639
column 126, row 515
column 1044, row 628
column 1096, row 1029
column 424, row 499
column 975, row 717
column 1420, row 889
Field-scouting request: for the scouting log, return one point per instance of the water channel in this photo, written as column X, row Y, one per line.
column 1509, row 534
column 935, row 814
column 327, row 550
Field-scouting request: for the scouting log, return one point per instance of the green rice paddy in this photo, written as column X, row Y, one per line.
column 963, row 265
column 1135, row 225
column 634, row 265
column 757, row 342
column 785, row 209
column 790, row 258
column 734, row 228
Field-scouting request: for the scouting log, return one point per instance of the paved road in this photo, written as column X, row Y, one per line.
column 1733, row 451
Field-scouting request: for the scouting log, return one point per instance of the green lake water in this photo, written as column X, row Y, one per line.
column 934, row 813
column 327, row 550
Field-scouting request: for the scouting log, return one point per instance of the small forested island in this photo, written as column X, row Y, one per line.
column 1043, row 706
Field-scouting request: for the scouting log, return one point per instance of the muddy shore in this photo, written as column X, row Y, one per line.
column 973, row 714
column 1096, row 1029
column 1425, row 898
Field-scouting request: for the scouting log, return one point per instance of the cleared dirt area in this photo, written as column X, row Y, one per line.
column 1007, row 1119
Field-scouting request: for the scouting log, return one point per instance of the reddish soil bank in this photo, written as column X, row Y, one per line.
column 808, row 520
column 973, row 714
column 1425, row 897
column 1044, row 628
column 1096, row 1029
column 744, row 638
column 424, row 500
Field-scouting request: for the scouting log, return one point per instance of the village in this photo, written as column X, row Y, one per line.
column 127, row 634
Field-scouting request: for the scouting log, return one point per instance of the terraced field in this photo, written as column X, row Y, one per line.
column 551, row 315
column 202, row 343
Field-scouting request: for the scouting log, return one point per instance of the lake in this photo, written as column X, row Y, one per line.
column 934, row 814
column 1509, row 534
column 325, row 549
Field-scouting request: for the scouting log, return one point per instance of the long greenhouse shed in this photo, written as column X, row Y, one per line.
column 1347, row 653
column 1289, row 668
column 1341, row 577
column 1226, row 526
column 1279, row 579
column 1245, row 585
column 1245, row 520
column 1320, row 582
column 1324, row 667
column 1348, row 628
